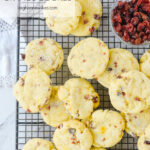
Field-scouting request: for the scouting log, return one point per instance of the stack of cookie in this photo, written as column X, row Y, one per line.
column 82, row 19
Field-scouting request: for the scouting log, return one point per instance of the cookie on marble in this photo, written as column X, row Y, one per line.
column 137, row 123
column 144, row 140
column 38, row 144
column 33, row 90
column 120, row 61
column 90, row 19
column 44, row 53
column 89, row 58
column 79, row 97
column 131, row 92
column 54, row 113
column 145, row 63
column 64, row 19
column 103, row 124
column 72, row 135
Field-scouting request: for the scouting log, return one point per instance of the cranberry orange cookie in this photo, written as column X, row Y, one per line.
column 44, row 53
column 144, row 140
column 33, row 90
column 79, row 97
column 72, row 135
column 54, row 113
column 136, row 123
column 120, row 61
column 131, row 92
column 38, row 144
column 107, row 128
column 89, row 58
column 65, row 20
column 90, row 19
column 145, row 63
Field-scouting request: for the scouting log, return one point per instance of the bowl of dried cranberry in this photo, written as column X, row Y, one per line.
column 130, row 21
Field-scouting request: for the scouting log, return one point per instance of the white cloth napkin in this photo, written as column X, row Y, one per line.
column 8, row 49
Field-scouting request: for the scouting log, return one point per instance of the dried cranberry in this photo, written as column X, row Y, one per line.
column 141, row 34
column 147, row 31
column 85, row 21
column 135, row 36
column 136, row 14
column 144, row 16
column 140, row 27
column 138, row 41
column 120, row 34
column 139, row 2
column 146, row 8
column 121, row 4
column 23, row 56
column 144, row 37
column 129, row 27
column 147, row 142
column 126, row 37
column 97, row 17
column 135, row 21
column 117, row 18
column 146, row 23
column 118, row 27
column 92, row 29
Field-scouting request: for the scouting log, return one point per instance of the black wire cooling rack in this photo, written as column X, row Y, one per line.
column 31, row 125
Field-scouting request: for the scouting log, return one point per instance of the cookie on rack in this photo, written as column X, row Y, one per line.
column 65, row 18
column 103, row 125
column 120, row 61
column 72, row 135
column 145, row 63
column 38, row 144
column 144, row 140
column 131, row 92
column 33, row 90
column 94, row 148
column 44, row 53
column 90, row 19
column 79, row 97
column 54, row 113
column 137, row 123
column 89, row 58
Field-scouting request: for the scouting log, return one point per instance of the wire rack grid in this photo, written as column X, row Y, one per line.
column 31, row 125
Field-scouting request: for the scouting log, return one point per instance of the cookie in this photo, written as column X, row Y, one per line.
column 103, row 125
column 131, row 92
column 120, row 61
column 72, row 135
column 136, row 123
column 89, row 58
column 44, row 53
column 65, row 19
column 38, row 144
column 79, row 97
column 145, row 63
column 144, row 140
column 33, row 90
column 54, row 113
column 97, row 148
column 90, row 19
